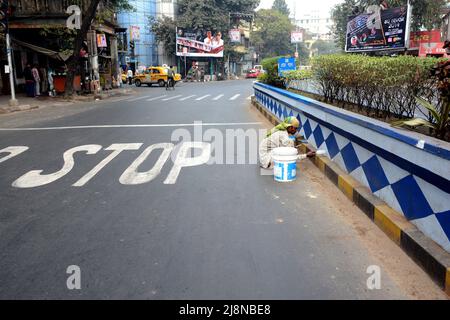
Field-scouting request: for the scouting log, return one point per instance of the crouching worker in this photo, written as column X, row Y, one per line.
column 283, row 135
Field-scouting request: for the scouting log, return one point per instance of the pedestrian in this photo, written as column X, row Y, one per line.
column 51, row 87
column 202, row 75
column 170, row 77
column 283, row 135
column 130, row 76
column 29, row 81
column 37, row 80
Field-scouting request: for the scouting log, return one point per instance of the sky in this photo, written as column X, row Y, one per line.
column 303, row 5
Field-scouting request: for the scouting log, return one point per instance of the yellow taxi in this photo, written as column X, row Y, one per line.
column 154, row 75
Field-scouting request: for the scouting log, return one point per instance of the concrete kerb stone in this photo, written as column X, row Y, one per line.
column 425, row 252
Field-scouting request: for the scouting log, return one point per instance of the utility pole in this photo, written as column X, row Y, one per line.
column 4, row 12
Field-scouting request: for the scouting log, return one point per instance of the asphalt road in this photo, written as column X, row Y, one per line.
column 208, row 231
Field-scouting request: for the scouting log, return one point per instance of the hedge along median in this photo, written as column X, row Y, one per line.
column 408, row 171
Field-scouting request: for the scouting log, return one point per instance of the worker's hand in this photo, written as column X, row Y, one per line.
column 311, row 154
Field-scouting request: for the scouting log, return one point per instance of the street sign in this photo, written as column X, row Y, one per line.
column 296, row 36
column 285, row 64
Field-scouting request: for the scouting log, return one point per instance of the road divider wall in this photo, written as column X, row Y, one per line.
column 401, row 180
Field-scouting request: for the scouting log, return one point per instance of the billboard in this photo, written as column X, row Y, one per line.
column 296, row 36
column 377, row 30
column 199, row 43
column 101, row 41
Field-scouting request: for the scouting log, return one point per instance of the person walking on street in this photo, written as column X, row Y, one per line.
column 29, row 81
column 130, row 76
column 170, row 78
column 37, row 80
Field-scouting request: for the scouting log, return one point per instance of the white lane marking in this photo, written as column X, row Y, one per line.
column 13, row 151
column 171, row 98
column 188, row 97
column 235, row 97
column 218, row 97
column 131, row 176
column 216, row 124
column 138, row 98
column 34, row 178
column 182, row 159
column 201, row 98
column 156, row 98
column 117, row 148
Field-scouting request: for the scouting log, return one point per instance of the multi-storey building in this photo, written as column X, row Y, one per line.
column 317, row 22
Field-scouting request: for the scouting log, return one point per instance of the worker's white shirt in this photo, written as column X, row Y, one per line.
column 130, row 73
column 276, row 140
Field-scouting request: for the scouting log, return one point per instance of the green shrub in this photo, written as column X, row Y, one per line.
column 384, row 85
column 270, row 76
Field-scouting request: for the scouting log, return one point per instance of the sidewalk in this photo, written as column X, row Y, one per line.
column 27, row 103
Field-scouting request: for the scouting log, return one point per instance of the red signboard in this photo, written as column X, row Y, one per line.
column 427, row 42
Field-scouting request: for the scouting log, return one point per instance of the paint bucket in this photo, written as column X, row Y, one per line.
column 285, row 164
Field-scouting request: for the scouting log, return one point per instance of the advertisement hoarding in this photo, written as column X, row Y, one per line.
column 377, row 30
column 199, row 43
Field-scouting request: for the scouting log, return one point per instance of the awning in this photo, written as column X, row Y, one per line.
column 52, row 54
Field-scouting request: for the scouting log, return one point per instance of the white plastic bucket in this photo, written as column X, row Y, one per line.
column 285, row 164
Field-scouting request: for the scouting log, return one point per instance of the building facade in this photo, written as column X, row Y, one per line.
column 317, row 22
column 136, row 23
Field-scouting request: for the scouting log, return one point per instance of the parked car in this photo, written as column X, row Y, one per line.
column 252, row 73
column 154, row 75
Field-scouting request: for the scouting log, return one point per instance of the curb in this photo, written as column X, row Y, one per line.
column 434, row 260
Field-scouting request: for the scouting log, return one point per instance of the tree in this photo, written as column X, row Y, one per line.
column 426, row 14
column 88, row 16
column 281, row 7
column 272, row 35
column 164, row 30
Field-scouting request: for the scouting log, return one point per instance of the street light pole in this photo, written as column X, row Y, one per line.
column 13, row 101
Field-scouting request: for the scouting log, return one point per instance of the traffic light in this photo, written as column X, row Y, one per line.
column 4, row 6
column 132, row 45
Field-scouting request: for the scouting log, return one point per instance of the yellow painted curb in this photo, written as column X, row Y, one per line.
column 390, row 221
column 447, row 282
column 347, row 184
column 320, row 163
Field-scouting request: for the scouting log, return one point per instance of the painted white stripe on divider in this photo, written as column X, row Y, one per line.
column 201, row 98
column 235, row 97
column 135, row 126
column 171, row 98
column 188, row 97
column 138, row 98
column 218, row 97
column 156, row 98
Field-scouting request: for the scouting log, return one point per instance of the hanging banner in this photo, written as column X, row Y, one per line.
column 199, row 43
column 101, row 41
column 377, row 30
column 135, row 33
column 235, row 35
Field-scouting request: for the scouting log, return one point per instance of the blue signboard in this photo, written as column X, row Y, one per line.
column 285, row 64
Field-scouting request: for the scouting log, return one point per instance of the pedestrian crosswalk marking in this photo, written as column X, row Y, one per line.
column 171, row 98
column 218, row 97
column 188, row 97
column 235, row 97
column 138, row 98
column 156, row 98
column 201, row 98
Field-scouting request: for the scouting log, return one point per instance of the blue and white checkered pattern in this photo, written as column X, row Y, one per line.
column 419, row 201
